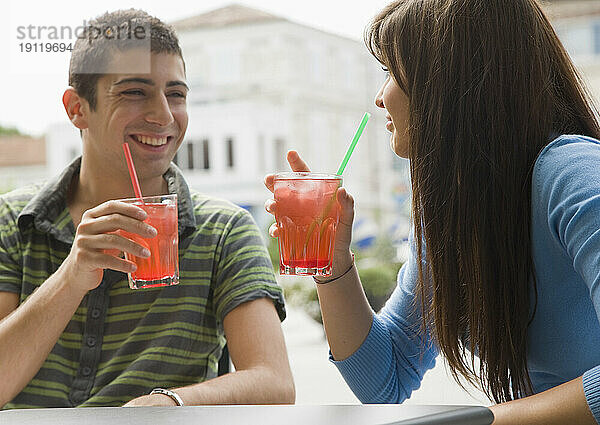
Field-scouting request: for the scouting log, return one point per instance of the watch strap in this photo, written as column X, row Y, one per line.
column 172, row 394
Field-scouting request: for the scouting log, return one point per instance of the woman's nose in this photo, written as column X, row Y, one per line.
column 379, row 98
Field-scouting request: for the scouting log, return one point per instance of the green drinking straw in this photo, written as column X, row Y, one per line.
column 359, row 132
column 331, row 202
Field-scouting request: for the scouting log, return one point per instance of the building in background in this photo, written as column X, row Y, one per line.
column 577, row 23
column 23, row 161
column 261, row 85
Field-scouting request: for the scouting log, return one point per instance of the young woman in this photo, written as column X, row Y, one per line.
column 484, row 101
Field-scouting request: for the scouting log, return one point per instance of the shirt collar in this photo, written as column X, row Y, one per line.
column 48, row 211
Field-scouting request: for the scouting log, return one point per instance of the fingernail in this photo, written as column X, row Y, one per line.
column 146, row 252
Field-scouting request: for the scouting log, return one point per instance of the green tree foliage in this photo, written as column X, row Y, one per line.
column 9, row 131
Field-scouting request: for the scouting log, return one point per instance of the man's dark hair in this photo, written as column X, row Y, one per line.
column 93, row 50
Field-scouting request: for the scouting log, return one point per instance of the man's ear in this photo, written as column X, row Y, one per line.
column 77, row 108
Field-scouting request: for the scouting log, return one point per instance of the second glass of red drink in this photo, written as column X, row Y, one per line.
column 307, row 215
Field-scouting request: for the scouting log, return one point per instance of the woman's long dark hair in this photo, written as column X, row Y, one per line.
column 488, row 84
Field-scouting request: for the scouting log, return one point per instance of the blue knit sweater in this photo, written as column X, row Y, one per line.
column 564, row 337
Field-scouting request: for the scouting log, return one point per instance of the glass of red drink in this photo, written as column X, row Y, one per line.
column 162, row 267
column 307, row 215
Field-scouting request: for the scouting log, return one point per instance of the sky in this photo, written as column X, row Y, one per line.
column 33, row 84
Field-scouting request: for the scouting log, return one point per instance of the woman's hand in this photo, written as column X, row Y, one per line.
column 342, row 257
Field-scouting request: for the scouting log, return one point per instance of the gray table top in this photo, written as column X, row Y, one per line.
column 246, row 415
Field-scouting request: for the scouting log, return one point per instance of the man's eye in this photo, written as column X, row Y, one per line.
column 134, row 92
column 176, row 94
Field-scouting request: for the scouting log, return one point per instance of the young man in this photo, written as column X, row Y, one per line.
column 73, row 333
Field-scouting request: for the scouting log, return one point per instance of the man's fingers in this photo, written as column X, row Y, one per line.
column 97, row 260
column 105, row 261
column 118, row 207
column 113, row 222
column 113, row 241
column 297, row 164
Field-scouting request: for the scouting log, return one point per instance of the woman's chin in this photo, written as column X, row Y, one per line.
column 399, row 148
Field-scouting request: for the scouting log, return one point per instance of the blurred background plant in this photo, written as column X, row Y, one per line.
column 10, row 131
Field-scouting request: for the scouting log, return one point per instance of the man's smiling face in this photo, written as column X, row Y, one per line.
column 148, row 111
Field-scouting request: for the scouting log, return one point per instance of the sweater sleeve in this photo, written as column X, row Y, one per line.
column 392, row 360
column 568, row 176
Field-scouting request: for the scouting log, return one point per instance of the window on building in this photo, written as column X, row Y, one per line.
column 193, row 155
column 230, row 153
column 205, row 154
column 260, row 150
column 596, row 29
column 280, row 155
column 190, row 155
column 182, row 156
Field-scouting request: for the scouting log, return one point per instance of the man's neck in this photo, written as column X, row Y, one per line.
column 94, row 186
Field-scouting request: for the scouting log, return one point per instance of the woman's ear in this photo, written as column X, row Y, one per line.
column 76, row 107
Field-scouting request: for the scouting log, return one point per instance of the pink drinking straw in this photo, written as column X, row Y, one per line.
column 132, row 173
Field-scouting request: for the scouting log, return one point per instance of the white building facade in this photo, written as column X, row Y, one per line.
column 577, row 24
column 262, row 85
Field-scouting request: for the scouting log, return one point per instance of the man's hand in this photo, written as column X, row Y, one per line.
column 97, row 243
column 151, row 400
column 48, row 310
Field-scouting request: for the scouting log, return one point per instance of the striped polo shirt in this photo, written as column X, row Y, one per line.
column 122, row 343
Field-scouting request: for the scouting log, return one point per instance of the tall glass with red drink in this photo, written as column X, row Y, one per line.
column 162, row 267
column 307, row 215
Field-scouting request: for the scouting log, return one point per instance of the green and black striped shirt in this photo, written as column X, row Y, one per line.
column 121, row 343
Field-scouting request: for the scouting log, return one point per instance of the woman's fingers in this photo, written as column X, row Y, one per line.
column 344, row 230
column 297, row 164
column 274, row 230
column 269, row 180
column 270, row 206
column 346, row 202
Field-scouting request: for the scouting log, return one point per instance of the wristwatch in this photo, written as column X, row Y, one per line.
column 172, row 394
